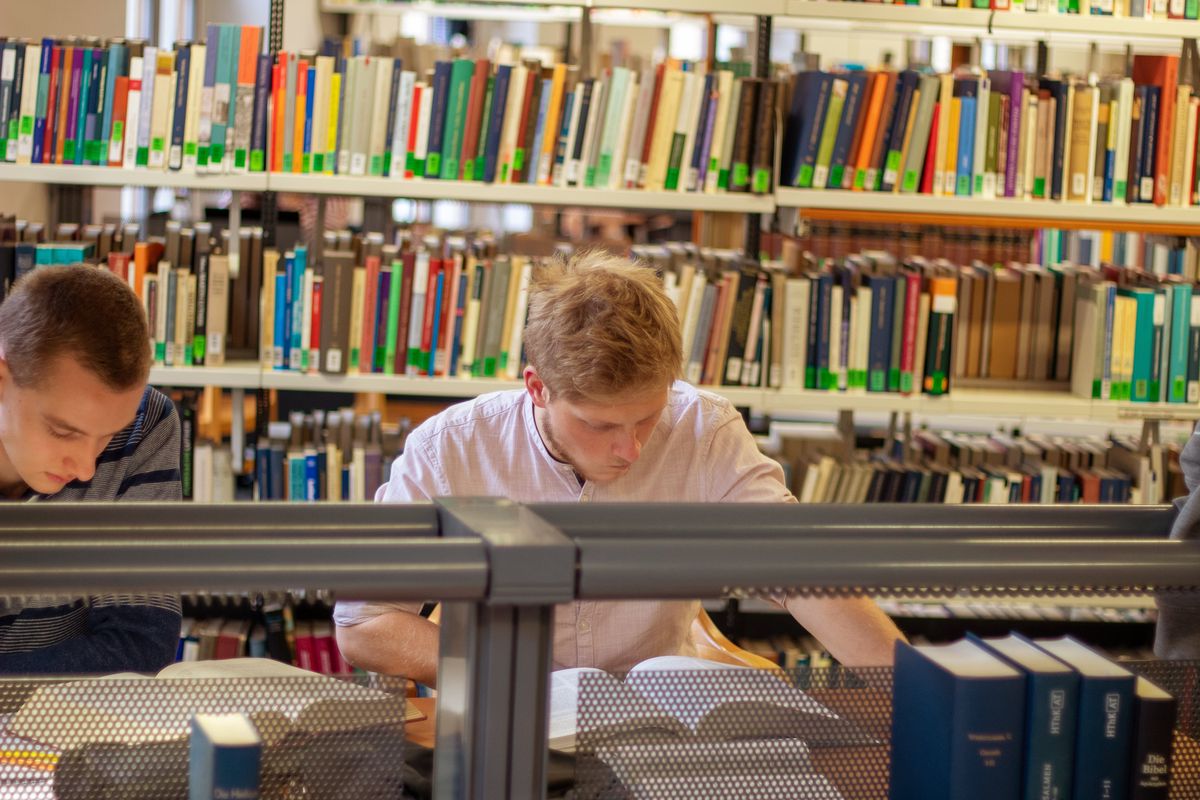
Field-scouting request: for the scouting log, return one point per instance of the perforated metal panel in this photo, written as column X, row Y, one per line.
column 734, row 734
column 128, row 737
column 820, row 734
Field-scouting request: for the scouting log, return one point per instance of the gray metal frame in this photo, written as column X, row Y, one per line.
column 500, row 568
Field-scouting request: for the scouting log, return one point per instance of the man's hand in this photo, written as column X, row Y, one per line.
column 395, row 643
column 854, row 630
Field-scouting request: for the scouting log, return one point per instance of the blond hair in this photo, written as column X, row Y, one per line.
column 600, row 325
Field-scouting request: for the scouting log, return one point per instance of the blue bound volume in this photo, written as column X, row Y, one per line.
column 224, row 756
column 1052, row 705
column 1102, row 741
column 957, row 725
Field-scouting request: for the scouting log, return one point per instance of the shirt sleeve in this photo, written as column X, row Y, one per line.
column 1178, row 633
column 415, row 477
column 737, row 472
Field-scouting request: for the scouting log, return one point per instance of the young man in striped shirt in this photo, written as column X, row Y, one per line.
column 79, row 423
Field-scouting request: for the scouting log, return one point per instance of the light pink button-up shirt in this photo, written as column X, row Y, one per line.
column 700, row 451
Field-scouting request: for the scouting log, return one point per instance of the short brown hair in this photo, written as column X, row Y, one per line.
column 82, row 311
column 600, row 324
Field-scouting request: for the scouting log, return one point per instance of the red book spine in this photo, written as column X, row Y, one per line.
column 314, row 337
column 452, row 270
column 402, row 270
column 651, row 121
column 412, row 128
column 930, row 154
column 435, row 269
column 470, row 143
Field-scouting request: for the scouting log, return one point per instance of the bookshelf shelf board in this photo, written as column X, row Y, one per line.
column 384, row 384
column 754, row 605
column 749, row 8
column 1040, row 213
column 519, row 193
column 999, row 23
column 236, row 375
column 564, row 12
column 113, row 176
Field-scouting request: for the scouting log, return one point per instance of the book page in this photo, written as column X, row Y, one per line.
column 612, row 708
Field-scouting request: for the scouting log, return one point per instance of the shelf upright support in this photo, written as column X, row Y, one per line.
column 268, row 205
column 495, row 656
column 762, row 69
column 235, row 227
column 585, row 42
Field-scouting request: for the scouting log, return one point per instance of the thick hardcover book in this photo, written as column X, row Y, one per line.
column 1153, row 737
column 957, row 724
column 809, row 102
column 883, row 288
column 1051, row 708
column 491, row 149
column 1102, row 747
column 335, row 319
column 461, row 74
column 223, row 758
column 851, row 114
column 437, row 120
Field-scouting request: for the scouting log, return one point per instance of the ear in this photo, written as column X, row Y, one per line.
column 5, row 374
column 536, row 389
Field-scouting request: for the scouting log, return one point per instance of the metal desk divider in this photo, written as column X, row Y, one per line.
column 500, row 568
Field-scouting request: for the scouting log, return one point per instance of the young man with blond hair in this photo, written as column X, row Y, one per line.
column 79, row 423
column 603, row 417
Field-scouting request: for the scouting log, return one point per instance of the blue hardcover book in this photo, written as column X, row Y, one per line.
column 879, row 349
column 258, row 123
column 437, row 118
column 43, row 100
column 439, row 287
column 1051, row 711
column 1148, row 160
column 540, row 130
column 499, row 102
column 794, row 124
column 98, row 102
column 309, row 103
column 957, row 724
column 1104, row 732
column 815, row 102
column 851, row 110
column 282, row 315
column 262, row 469
column 183, row 61
column 460, row 312
column 824, row 289
column 1058, row 90
column 906, row 85
column 289, row 301
column 116, row 67
column 966, row 147
column 382, row 296
column 296, row 302
column 311, row 476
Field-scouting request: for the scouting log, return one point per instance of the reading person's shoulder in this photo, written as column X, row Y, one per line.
column 697, row 410
column 487, row 413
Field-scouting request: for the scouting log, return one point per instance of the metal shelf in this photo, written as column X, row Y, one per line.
column 1048, row 211
column 236, row 375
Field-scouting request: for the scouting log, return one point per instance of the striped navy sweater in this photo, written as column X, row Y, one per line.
column 105, row 633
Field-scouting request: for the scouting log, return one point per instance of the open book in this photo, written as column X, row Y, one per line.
column 134, row 709
column 676, row 721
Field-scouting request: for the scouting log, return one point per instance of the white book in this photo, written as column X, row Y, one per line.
column 470, row 318
column 417, row 320
column 691, row 318
column 862, row 325
column 1093, row 132
column 560, row 172
column 426, row 111
column 688, row 175
column 350, row 93
column 982, row 99
column 132, row 115
column 945, row 100
column 797, row 293
column 754, row 333
column 183, row 302
column 366, row 97
column 614, row 116
column 320, row 117
column 731, row 122
column 8, row 74
column 1124, row 123
column 29, row 82
column 1189, row 150
column 835, row 333
column 513, row 367
column 164, row 83
column 160, row 318
column 685, row 122
column 632, row 96
column 637, row 133
column 202, row 469
column 512, row 122
column 591, row 136
column 145, row 121
column 377, row 139
column 724, row 94
column 191, row 127
column 306, row 321
column 404, row 115
column 1029, row 143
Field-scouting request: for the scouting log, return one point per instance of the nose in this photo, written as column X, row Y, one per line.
column 628, row 447
column 79, row 464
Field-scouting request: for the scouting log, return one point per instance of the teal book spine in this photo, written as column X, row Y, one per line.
column 1181, row 312
column 1102, row 748
column 1158, row 340
column 1143, row 344
column 461, row 73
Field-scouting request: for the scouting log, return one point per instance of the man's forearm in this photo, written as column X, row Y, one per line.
column 396, row 643
column 854, row 630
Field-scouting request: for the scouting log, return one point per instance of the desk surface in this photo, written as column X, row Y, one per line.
column 423, row 732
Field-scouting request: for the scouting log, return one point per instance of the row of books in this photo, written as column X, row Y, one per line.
column 223, row 106
column 331, row 456
column 1048, row 246
column 1039, row 612
column 1013, row 717
column 1001, row 133
column 1147, row 9
column 307, row 644
column 946, row 467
